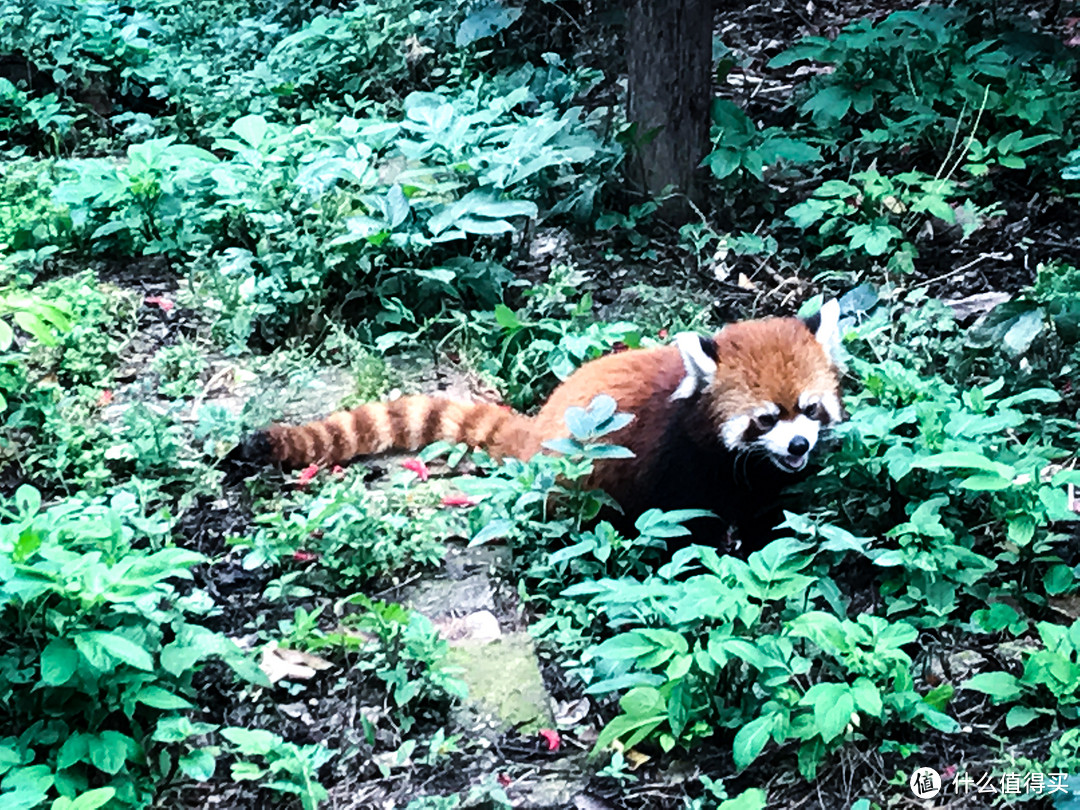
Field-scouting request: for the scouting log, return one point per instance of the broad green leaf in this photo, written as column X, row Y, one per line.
column 628, row 729
column 1000, row 686
column 59, row 661
column 626, row 646
column 484, row 21
column 483, row 227
column 1021, row 529
column 33, row 325
column 965, row 460
column 1058, row 579
column 252, row 741
column 120, row 648
column 1046, row 395
column 198, row 764
column 936, row 719
column 751, row 799
column 806, row 213
column 500, row 527
column 874, row 239
column 159, row 698
column 986, row 482
column 828, row 105
column 506, row 317
column 789, row 149
column 833, row 705
column 108, row 750
column 251, row 128
column 722, row 162
column 751, row 740
column 666, row 638
column 1020, row 716
column 91, row 800
column 76, row 748
column 397, row 206
column 867, row 697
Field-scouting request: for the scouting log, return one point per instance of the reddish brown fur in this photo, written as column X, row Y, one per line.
column 774, row 360
column 767, row 361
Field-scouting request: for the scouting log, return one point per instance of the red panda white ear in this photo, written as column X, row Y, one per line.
column 825, row 324
column 699, row 359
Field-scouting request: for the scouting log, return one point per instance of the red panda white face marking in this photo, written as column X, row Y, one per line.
column 769, row 385
column 790, row 442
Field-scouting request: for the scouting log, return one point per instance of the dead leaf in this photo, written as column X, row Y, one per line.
column 977, row 304
column 279, row 663
column 571, row 712
column 1068, row 606
column 635, row 759
column 415, row 50
column 893, row 204
column 583, row 801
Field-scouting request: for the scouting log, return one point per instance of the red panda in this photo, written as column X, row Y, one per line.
column 720, row 423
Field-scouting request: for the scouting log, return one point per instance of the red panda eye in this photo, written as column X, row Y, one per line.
column 765, row 421
column 813, row 411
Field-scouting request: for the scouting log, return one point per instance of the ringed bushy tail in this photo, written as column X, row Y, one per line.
column 408, row 423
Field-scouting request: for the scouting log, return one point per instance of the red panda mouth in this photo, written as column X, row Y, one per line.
column 790, row 463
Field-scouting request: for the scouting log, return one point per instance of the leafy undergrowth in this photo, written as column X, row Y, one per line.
column 209, row 221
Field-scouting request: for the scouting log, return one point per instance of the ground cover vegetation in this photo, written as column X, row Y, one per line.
column 217, row 214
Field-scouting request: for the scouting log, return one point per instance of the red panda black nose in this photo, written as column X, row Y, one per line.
column 799, row 445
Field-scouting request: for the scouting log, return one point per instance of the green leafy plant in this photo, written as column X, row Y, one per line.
column 718, row 646
column 180, row 367
column 407, row 655
column 740, row 147
column 144, row 203
column 105, row 648
column 281, row 766
column 876, row 215
column 1050, row 677
column 940, row 78
column 26, row 119
column 352, row 534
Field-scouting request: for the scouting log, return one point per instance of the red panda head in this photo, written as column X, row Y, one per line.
column 768, row 385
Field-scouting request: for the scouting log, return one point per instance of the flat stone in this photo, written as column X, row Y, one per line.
column 481, row 628
column 320, row 396
column 461, row 561
column 506, row 689
column 558, row 785
column 450, row 597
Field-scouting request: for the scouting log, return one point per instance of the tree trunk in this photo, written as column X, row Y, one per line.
column 669, row 56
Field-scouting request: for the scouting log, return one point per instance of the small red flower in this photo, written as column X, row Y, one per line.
column 948, row 773
column 158, row 301
column 662, row 334
column 552, row 737
column 338, row 471
column 459, row 500
column 105, row 398
column 306, row 474
column 504, row 779
column 417, row 466
column 302, row 556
